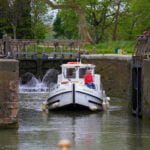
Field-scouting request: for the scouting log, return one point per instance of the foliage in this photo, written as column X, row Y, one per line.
column 112, row 19
column 103, row 20
column 65, row 25
column 111, row 47
column 3, row 17
column 23, row 10
column 40, row 19
column 16, row 18
column 24, row 18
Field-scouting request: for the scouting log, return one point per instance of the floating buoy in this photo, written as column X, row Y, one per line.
column 93, row 107
column 64, row 144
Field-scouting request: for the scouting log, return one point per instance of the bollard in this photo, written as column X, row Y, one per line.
column 64, row 144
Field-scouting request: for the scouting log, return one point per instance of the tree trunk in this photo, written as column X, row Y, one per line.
column 83, row 29
column 130, row 34
column 14, row 31
column 114, row 36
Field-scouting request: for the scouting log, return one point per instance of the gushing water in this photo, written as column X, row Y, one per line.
column 39, row 87
column 29, row 83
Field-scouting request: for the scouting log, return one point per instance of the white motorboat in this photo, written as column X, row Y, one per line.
column 71, row 92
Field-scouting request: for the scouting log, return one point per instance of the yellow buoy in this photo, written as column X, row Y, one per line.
column 64, row 144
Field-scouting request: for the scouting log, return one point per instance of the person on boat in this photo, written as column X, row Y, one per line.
column 88, row 79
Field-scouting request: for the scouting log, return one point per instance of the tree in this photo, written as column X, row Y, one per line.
column 58, row 27
column 99, row 18
column 4, row 25
column 24, row 29
column 78, row 7
column 39, row 19
column 65, row 25
column 15, row 18
column 116, row 18
column 134, row 19
column 140, row 9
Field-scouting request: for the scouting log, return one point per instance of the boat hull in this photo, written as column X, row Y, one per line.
column 75, row 97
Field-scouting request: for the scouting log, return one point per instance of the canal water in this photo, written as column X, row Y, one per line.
column 114, row 129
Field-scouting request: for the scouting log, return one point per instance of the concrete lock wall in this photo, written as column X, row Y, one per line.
column 8, row 93
column 146, row 87
column 115, row 73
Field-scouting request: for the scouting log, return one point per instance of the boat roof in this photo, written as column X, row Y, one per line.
column 76, row 64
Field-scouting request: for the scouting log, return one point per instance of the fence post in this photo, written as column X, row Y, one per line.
column 7, row 46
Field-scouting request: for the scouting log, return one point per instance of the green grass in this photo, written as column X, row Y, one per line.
column 38, row 48
column 109, row 47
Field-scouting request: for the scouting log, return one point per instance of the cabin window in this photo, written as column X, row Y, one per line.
column 82, row 72
column 71, row 73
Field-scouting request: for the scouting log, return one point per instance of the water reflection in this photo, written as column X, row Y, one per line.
column 9, row 140
column 114, row 129
column 49, row 129
column 109, row 130
column 139, row 135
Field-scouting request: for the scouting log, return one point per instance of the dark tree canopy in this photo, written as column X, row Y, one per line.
column 22, row 19
column 16, row 18
column 88, row 20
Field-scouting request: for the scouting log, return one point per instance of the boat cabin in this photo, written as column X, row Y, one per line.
column 76, row 71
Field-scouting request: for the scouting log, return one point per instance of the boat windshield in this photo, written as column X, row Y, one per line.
column 70, row 73
column 76, row 72
column 82, row 72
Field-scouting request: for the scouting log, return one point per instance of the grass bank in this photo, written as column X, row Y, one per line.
column 107, row 47
column 111, row 47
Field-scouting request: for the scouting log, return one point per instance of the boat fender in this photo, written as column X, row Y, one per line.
column 108, row 98
column 44, row 107
column 93, row 107
column 55, row 105
column 105, row 105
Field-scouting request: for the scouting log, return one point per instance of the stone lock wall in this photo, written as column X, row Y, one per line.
column 146, row 87
column 115, row 73
column 8, row 93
